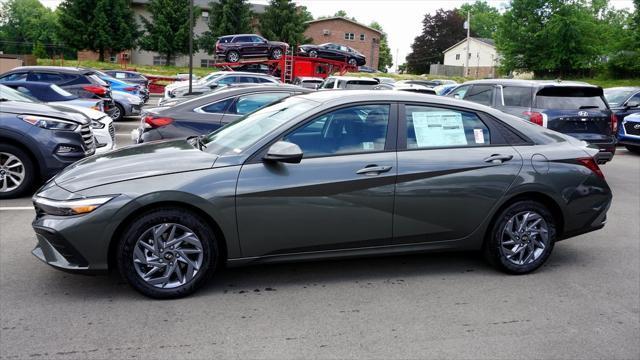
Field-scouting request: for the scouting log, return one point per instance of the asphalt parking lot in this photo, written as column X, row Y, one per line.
column 584, row 303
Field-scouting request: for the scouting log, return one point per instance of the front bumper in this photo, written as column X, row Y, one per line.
column 54, row 250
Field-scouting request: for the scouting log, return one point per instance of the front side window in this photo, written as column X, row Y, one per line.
column 250, row 103
column 355, row 129
column 257, row 39
column 227, row 80
column 329, row 84
column 430, row 127
column 481, row 94
column 460, row 92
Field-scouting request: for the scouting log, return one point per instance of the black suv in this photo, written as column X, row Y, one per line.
column 573, row 108
column 235, row 47
column 81, row 82
column 37, row 141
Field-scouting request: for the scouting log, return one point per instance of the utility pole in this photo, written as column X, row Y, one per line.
column 466, row 58
column 397, row 61
column 190, row 46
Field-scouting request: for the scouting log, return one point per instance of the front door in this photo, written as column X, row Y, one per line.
column 453, row 167
column 340, row 196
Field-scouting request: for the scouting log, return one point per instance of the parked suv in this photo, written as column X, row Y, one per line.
column 37, row 141
column 235, row 47
column 573, row 108
column 79, row 81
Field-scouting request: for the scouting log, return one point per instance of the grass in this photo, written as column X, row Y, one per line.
column 173, row 70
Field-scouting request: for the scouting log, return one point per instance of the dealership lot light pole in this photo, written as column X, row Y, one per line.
column 190, row 46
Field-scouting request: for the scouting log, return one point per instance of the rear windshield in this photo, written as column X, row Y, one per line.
column 570, row 98
column 359, row 84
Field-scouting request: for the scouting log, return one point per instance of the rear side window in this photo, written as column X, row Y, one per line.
column 242, row 39
column 516, row 96
column 570, row 98
column 51, row 78
column 225, row 40
column 217, row 107
column 228, row 80
column 21, row 76
column 481, row 94
column 431, row 127
column 250, row 103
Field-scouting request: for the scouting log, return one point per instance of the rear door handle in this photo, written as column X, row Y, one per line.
column 498, row 158
column 373, row 170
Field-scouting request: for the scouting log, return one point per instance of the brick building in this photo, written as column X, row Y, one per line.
column 347, row 32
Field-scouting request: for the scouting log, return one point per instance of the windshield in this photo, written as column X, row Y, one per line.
column 15, row 95
column 243, row 133
column 209, row 77
column 617, row 97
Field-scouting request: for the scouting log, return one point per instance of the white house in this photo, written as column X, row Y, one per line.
column 483, row 57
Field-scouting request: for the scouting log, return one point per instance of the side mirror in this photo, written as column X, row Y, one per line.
column 633, row 104
column 285, row 152
column 456, row 96
column 213, row 86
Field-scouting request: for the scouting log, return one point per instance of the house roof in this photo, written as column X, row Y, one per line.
column 485, row 41
column 347, row 20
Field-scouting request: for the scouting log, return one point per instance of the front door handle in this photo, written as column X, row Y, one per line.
column 498, row 158
column 373, row 170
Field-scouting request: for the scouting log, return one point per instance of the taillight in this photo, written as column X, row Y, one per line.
column 614, row 123
column 155, row 122
column 218, row 47
column 98, row 90
column 592, row 165
column 130, row 88
column 535, row 117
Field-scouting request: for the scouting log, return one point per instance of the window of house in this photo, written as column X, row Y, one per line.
column 457, row 56
column 162, row 61
column 207, row 63
column 362, row 37
column 349, row 36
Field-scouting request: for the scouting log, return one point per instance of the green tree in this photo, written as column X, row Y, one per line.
column 226, row 17
column 549, row 37
column 167, row 32
column 484, row 18
column 283, row 21
column 26, row 25
column 98, row 25
column 439, row 32
column 385, row 59
column 624, row 49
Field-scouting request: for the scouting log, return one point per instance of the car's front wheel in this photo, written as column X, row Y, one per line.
column 167, row 253
column 353, row 62
column 17, row 172
column 522, row 237
column 276, row 54
column 313, row 53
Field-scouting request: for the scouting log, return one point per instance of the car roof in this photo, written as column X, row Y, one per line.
column 624, row 88
column 61, row 69
column 528, row 83
column 34, row 84
column 352, row 78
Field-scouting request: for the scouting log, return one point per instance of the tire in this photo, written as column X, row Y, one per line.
column 633, row 148
column 232, row 56
column 313, row 54
column 17, row 172
column 119, row 114
column 353, row 62
column 198, row 256
column 498, row 243
column 276, row 54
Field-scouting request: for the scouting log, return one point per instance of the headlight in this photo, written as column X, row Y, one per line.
column 70, row 207
column 49, row 123
column 97, row 124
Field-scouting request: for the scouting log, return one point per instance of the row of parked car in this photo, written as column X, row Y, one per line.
column 51, row 117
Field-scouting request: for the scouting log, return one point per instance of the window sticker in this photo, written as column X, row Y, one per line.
column 439, row 128
column 367, row 145
column 121, row 75
column 479, row 136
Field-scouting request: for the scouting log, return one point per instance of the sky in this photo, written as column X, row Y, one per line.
column 400, row 19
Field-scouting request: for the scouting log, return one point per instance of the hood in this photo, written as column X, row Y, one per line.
column 134, row 162
column 28, row 108
column 92, row 114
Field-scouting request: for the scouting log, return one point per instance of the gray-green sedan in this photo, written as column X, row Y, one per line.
column 324, row 175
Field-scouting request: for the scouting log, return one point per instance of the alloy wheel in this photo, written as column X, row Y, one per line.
column 524, row 238
column 168, row 255
column 353, row 62
column 277, row 54
column 12, row 172
column 116, row 113
column 233, row 57
column 313, row 54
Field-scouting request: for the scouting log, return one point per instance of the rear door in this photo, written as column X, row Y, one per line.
column 581, row 112
column 245, row 45
column 454, row 165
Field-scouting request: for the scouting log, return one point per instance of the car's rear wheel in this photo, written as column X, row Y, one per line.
column 118, row 112
column 167, row 253
column 276, row 54
column 233, row 56
column 17, row 173
column 633, row 148
column 522, row 237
